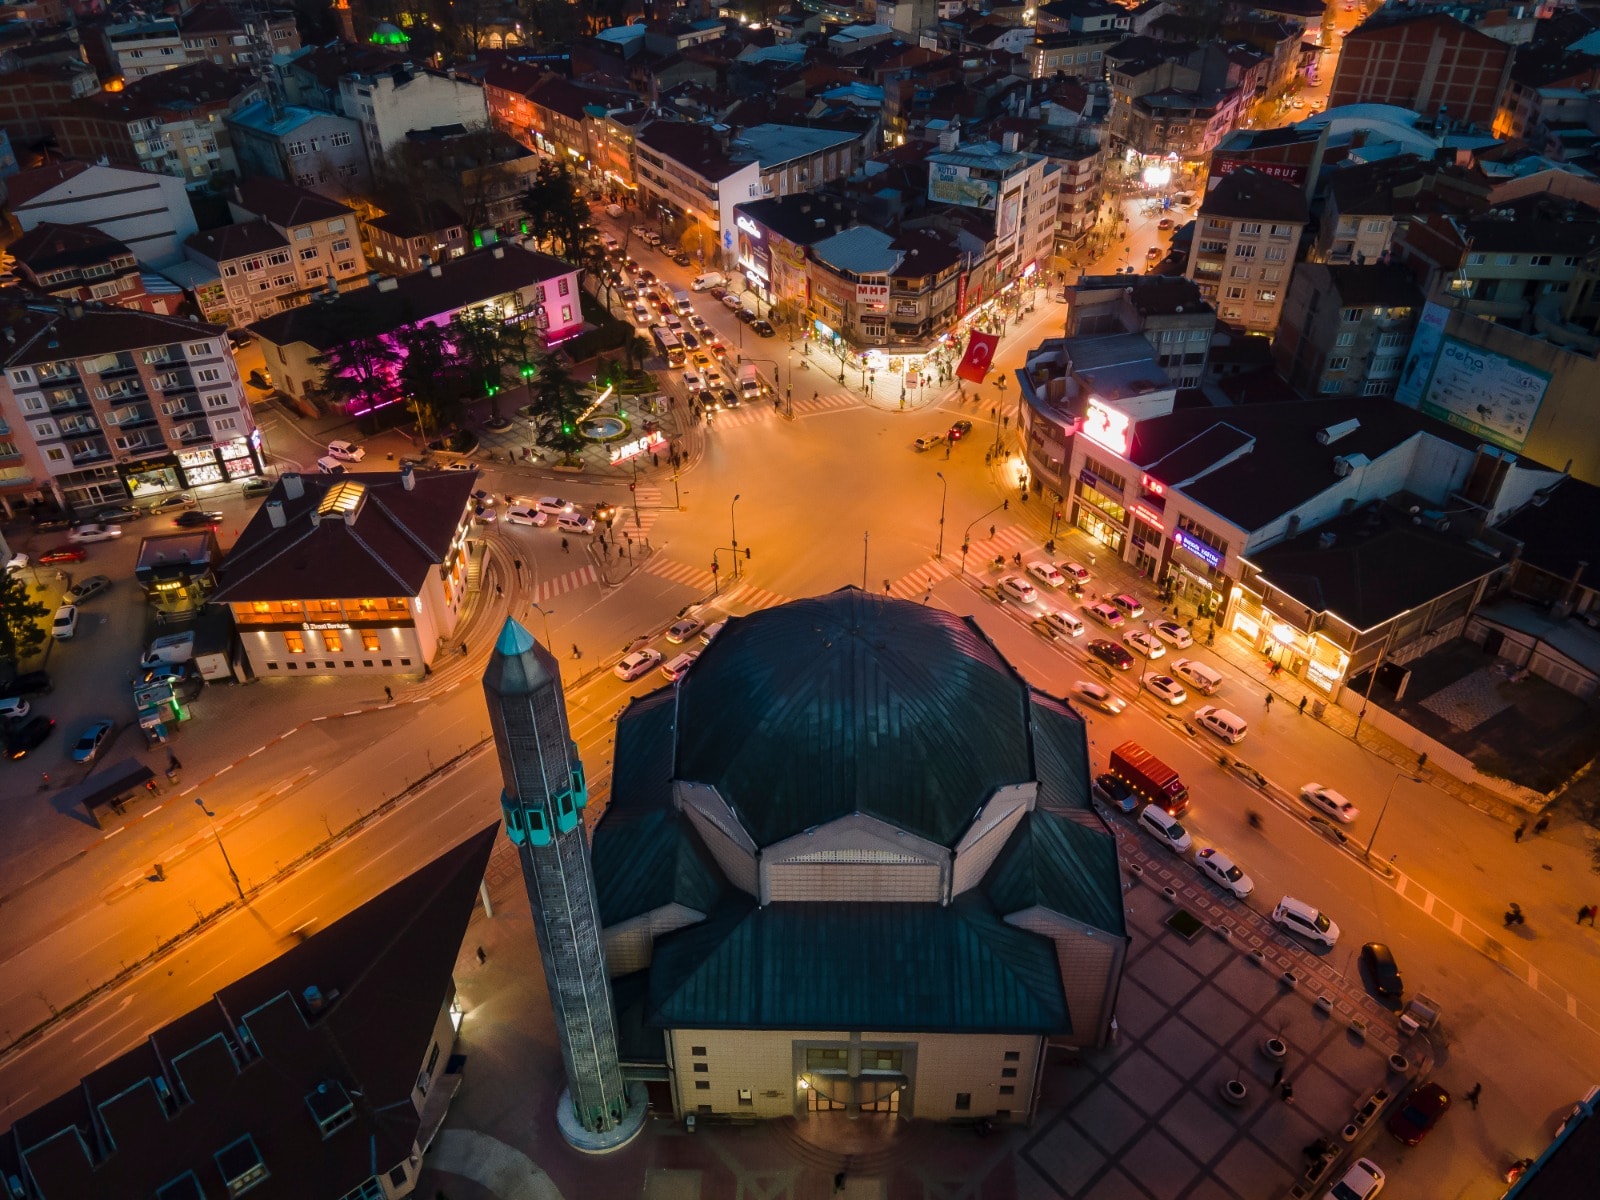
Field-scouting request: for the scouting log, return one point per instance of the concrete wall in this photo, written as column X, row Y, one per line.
column 721, row 832
column 855, row 858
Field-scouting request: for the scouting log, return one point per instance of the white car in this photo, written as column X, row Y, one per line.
column 682, row 630
column 1173, row 634
column 555, row 506
column 526, row 514
column 65, row 623
column 1097, row 696
column 1074, row 571
column 346, row 451
column 1166, row 687
column 1329, row 801
column 1141, row 642
column 711, row 631
column 1224, row 870
column 675, row 668
column 95, row 533
column 1045, row 573
column 1064, row 624
column 641, row 316
column 692, row 381
column 640, row 662
column 17, row 562
column 1014, row 585
column 575, row 523
column 732, row 303
column 1164, row 825
column 1364, row 1179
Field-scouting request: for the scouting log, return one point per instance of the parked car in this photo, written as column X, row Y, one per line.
column 65, row 623
column 197, row 519
column 1225, row 871
column 1111, row 790
column 675, row 668
column 87, row 588
column 1329, row 801
column 346, row 451
column 1098, row 696
column 1378, row 960
column 27, row 736
column 1173, row 634
column 62, row 554
column 1128, row 605
column 1166, row 828
column 730, row 302
column 95, row 532
column 172, row 504
column 256, row 487
column 117, row 513
column 763, row 328
column 29, row 683
column 1112, row 653
column 1362, row 1181
column 744, row 315
column 1418, row 1113
column 89, row 742
column 48, row 521
column 1306, row 920
column 1166, row 688
column 640, row 662
column 683, row 629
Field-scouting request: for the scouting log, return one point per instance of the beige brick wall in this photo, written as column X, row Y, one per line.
column 919, row 883
column 722, row 834
column 989, row 834
column 1090, row 964
column 949, row 1064
column 854, row 858
column 630, row 944
column 943, row 1066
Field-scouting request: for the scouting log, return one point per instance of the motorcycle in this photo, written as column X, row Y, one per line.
column 1514, row 915
column 1515, row 1171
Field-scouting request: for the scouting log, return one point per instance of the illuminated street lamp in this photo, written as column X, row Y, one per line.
column 1382, row 812
column 943, row 495
column 212, row 818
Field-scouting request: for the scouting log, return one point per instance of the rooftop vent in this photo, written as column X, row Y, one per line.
column 1330, row 434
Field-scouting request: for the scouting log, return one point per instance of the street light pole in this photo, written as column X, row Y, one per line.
column 966, row 536
column 1384, row 811
column 545, row 613
column 733, row 528
column 212, row 818
column 943, row 495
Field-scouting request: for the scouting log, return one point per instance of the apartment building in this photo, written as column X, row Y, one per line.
column 227, row 33
column 1364, row 207
column 31, row 97
column 1426, row 62
column 78, row 262
column 1246, row 239
column 141, row 48
column 1346, row 329
column 170, row 123
column 322, row 232
column 150, row 214
column 403, row 242
column 1017, row 188
column 392, row 101
column 104, row 403
column 1167, row 310
column 321, row 151
column 774, row 238
column 686, row 171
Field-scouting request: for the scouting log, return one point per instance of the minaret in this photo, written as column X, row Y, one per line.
column 543, row 798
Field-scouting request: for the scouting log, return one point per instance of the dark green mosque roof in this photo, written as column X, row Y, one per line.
column 924, row 967
column 852, row 702
column 1060, row 755
column 1058, row 863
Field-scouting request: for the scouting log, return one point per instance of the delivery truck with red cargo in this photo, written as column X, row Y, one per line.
column 1150, row 777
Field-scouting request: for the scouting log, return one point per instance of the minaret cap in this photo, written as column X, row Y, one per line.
column 519, row 664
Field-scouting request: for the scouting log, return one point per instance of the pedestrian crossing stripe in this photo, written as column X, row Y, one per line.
column 694, row 577
column 571, row 581
column 1011, row 540
column 751, row 597
column 916, row 584
column 750, row 414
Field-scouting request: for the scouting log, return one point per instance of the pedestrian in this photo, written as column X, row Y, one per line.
column 1541, row 825
column 655, row 459
column 500, row 591
column 991, row 531
column 463, row 649
column 576, row 653
column 1286, row 1091
column 482, row 957
column 1473, row 1093
column 1269, row 701
column 1583, row 912
column 1302, row 706
column 1594, row 909
column 565, row 549
column 151, row 787
column 1277, row 1077
column 1005, row 506
column 516, row 564
column 388, row 694
column 510, row 499
column 1519, row 831
column 885, row 587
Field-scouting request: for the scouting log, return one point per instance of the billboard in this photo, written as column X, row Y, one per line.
column 948, row 184
column 1487, row 394
column 1424, row 349
column 1294, row 173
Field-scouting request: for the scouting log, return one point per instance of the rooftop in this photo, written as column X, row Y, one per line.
column 48, row 332
column 52, row 247
column 1249, row 195
column 235, row 241
column 696, row 147
column 383, row 543
column 284, row 204
column 1371, row 285
column 774, row 145
column 861, row 250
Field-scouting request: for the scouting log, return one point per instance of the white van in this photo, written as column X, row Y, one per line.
column 330, row 466
column 711, row 279
column 1202, row 677
column 1165, row 826
column 1311, row 923
column 749, row 382
column 1228, row 726
column 174, row 648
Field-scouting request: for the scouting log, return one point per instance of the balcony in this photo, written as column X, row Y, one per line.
column 121, row 365
column 67, row 400
column 179, row 410
column 87, row 455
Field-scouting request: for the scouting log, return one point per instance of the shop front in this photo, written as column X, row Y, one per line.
column 1098, row 511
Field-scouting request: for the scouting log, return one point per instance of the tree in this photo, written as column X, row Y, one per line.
column 21, row 619
column 357, row 374
column 556, row 405
column 636, row 349
column 494, row 352
column 430, row 377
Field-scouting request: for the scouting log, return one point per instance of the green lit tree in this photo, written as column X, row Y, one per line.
column 21, row 619
column 555, row 404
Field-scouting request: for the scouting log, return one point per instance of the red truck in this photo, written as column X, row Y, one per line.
column 1150, row 777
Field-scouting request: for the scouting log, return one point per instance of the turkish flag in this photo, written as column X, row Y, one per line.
column 975, row 363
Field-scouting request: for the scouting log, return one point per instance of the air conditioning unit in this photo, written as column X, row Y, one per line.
column 1342, row 467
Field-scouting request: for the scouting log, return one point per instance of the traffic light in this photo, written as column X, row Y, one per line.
column 747, row 553
column 715, row 566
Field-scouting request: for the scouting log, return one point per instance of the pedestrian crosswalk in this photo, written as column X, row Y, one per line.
column 697, row 578
column 571, row 581
column 747, row 596
column 918, row 583
column 637, row 513
column 751, row 414
column 742, row 594
column 1013, row 539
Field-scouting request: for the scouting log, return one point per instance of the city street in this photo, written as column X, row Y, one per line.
column 327, row 791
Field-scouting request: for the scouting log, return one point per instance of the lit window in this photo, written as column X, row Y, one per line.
column 294, row 641
column 332, row 640
column 369, row 641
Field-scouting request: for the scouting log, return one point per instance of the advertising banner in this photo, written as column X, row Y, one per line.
column 954, row 185
column 1424, row 349
column 1487, row 394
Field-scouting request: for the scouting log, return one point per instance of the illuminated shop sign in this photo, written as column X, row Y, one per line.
column 1212, row 558
column 1106, row 427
